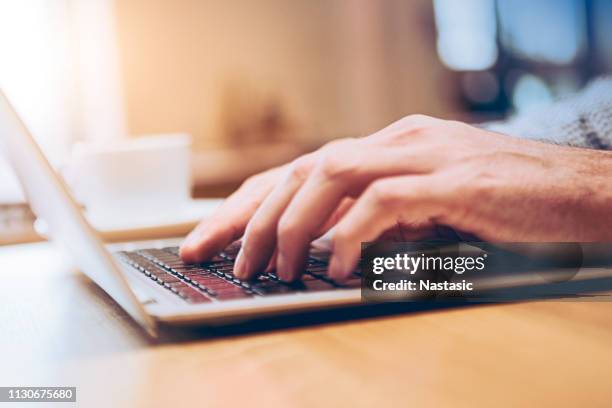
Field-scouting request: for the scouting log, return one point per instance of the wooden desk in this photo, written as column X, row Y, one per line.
column 57, row 328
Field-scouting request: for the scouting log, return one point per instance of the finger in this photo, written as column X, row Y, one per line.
column 336, row 216
column 295, row 234
column 259, row 240
column 215, row 233
column 212, row 235
column 272, row 264
column 336, row 176
column 407, row 199
column 228, row 222
column 408, row 232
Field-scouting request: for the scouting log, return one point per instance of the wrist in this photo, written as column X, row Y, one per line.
column 592, row 185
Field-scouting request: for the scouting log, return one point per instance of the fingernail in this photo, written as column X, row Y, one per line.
column 186, row 253
column 240, row 266
column 186, row 242
column 282, row 269
column 336, row 269
column 191, row 239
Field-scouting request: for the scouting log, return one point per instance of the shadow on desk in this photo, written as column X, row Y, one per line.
column 173, row 334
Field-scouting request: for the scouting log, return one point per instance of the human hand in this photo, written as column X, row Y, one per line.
column 230, row 220
column 416, row 174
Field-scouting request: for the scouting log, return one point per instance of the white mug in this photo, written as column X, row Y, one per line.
column 138, row 176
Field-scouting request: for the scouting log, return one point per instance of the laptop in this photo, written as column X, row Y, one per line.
column 149, row 281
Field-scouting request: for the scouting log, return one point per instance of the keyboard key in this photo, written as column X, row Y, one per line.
column 317, row 285
column 229, row 287
column 170, row 278
column 272, row 275
column 207, row 279
column 222, row 267
column 178, row 285
column 197, row 274
column 191, row 271
column 317, row 270
column 319, row 255
column 271, row 288
column 171, row 250
column 351, row 283
column 197, row 283
column 231, row 251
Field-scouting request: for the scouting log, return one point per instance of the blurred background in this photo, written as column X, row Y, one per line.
column 256, row 83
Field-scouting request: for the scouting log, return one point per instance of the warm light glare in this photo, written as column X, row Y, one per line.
column 36, row 69
column 59, row 68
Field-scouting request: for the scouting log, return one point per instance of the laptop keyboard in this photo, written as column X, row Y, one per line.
column 213, row 280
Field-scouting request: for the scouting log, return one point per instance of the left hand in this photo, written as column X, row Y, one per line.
column 422, row 172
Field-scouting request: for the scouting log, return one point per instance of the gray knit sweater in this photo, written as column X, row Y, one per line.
column 583, row 119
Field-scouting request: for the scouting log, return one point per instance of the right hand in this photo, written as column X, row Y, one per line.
column 272, row 189
column 228, row 222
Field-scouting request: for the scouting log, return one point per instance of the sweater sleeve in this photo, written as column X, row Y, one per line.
column 582, row 120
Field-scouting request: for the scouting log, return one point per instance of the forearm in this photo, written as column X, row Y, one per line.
column 594, row 174
column 587, row 208
column 583, row 120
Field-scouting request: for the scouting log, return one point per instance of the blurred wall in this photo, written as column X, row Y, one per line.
column 243, row 71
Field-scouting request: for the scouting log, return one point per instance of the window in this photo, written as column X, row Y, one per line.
column 59, row 69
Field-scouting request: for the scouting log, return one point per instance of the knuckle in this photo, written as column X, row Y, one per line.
column 287, row 229
column 411, row 127
column 382, row 194
column 252, row 181
column 300, row 168
column 255, row 229
column 339, row 162
column 332, row 167
column 248, row 203
column 341, row 235
column 416, row 118
column 419, row 121
column 337, row 144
